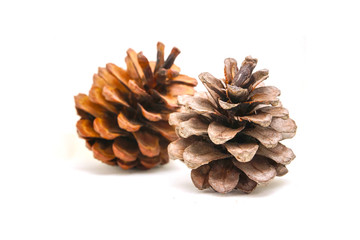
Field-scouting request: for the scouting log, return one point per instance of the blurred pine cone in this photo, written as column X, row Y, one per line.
column 230, row 135
column 124, row 119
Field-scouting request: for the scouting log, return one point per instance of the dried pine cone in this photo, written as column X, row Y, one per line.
column 124, row 119
column 230, row 136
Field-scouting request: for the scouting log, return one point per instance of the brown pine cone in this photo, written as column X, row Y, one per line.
column 230, row 135
column 124, row 119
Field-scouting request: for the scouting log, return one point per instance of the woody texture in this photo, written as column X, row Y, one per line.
column 124, row 118
column 230, row 136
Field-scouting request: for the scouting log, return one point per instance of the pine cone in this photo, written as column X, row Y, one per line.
column 124, row 119
column 230, row 135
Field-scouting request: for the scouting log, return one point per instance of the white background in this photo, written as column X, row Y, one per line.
column 52, row 188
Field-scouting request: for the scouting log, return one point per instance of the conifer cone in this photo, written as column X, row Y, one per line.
column 230, row 136
column 124, row 118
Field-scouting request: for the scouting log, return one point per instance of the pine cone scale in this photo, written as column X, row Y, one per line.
column 176, row 148
column 103, row 151
column 193, row 126
column 113, row 95
column 223, row 176
column 185, row 80
column 169, row 101
column 267, row 136
column 83, row 103
column 85, row 129
column 151, row 116
column 126, row 165
column 243, row 152
column 230, row 69
column 96, row 96
column 148, row 143
column 177, row 118
column 145, row 66
column 280, row 154
column 136, row 70
column 112, row 81
column 258, row 169
column 164, row 129
column 277, row 112
column 128, row 124
column 258, row 77
column 125, row 149
column 245, row 184
column 220, row 134
column 176, row 89
column 200, row 177
column 139, row 93
column 107, row 128
column 119, row 73
column 200, row 153
column 261, row 119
